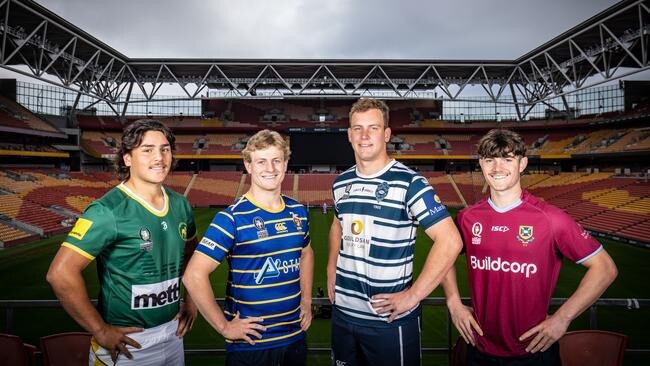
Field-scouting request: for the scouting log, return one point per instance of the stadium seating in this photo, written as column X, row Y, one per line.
column 441, row 183
column 315, row 189
column 593, row 348
column 15, row 115
column 70, row 349
column 214, row 188
column 13, row 352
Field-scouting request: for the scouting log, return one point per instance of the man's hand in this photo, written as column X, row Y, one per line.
column 186, row 317
column 548, row 332
column 463, row 318
column 239, row 328
column 395, row 304
column 114, row 340
column 331, row 283
column 305, row 314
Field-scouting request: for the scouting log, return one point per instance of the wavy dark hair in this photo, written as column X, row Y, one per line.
column 132, row 138
column 500, row 143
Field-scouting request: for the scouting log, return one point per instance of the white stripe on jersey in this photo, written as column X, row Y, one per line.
column 379, row 274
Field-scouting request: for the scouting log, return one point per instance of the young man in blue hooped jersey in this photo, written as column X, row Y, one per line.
column 379, row 204
column 264, row 236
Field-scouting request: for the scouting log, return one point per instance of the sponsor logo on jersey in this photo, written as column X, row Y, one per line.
column 164, row 225
column 382, row 191
column 346, row 193
column 269, row 270
column 357, row 227
column 296, row 220
column 280, row 227
column 525, row 235
column 182, row 230
column 145, row 235
column 208, row 243
column 500, row 265
column 155, row 295
column 477, row 229
column 501, row 228
column 436, row 198
column 585, row 234
column 435, row 210
column 80, row 228
column 261, row 228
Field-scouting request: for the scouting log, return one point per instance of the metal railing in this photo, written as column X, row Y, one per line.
column 628, row 303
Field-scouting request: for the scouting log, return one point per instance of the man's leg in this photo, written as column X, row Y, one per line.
column 295, row 354
column 344, row 344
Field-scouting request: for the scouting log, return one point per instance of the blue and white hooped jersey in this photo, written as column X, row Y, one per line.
column 379, row 215
column 263, row 250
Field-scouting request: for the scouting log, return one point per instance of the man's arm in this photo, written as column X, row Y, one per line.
column 336, row 231
column 68, row 284
column 446, row 247
column 461, row 315
column 197, row 283
column 306, row 283
column 601, row 272
column 187, row 313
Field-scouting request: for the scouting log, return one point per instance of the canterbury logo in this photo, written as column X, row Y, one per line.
column 357, row 227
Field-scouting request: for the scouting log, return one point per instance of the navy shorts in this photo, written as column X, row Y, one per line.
column 355, row 345
column 550, row 357
column 294, row 354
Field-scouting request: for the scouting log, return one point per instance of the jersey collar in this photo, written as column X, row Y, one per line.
column 160, row 213
column 379, row 173
column 504, row 209
column 260, row 206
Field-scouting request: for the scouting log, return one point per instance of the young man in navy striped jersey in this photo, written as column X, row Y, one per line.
column 378, row 205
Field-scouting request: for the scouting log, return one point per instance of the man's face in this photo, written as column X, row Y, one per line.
column 267, row 168
column 368, row 135
column 502, row 174
column 151, row 161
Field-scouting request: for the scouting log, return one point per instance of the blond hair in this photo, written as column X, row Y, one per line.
column 366, row 104
column 263, row 139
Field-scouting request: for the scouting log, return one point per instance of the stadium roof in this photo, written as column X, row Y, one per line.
column 610, row 45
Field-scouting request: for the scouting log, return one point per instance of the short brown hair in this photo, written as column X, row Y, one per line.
column 365, row 104
column 263, row 139
column 132, row 138
column 499, row 143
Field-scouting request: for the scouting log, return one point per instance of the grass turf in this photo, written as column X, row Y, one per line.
column 22, row 270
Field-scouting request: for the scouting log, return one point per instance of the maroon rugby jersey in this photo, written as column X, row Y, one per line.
column 513, row 259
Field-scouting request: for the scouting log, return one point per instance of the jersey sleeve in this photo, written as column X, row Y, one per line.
column 423, row 203
column 93, row 231
column 459, row 224
column 305, row 224
column 191, row 224
column 571, row 239
column 219, row 238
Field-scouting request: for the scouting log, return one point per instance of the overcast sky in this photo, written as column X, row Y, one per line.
column 459, row 29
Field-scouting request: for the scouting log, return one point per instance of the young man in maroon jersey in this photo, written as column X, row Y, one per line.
column 514, row 244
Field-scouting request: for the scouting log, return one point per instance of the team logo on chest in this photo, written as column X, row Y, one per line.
column 382, row 191
column 346, row 194
column 145, row 235
column 525, row 235
column 477, row 229
column 182, row 230
column 296, row 220
column 261, row 229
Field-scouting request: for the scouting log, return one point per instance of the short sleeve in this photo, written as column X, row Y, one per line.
column 305, row 225
column 219, row 238
column 93, row 231
column 191, row 224
column 571, row 239
column 423, row 203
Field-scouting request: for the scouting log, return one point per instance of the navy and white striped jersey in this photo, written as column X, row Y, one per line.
column 379, row 215
column 263, row 251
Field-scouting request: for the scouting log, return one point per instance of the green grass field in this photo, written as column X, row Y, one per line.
column 22, row 276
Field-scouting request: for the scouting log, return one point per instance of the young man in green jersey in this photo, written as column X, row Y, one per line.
column 141, row 233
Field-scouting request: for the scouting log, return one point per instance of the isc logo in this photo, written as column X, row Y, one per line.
column 501, row 229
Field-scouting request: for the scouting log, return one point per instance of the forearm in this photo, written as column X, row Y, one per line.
column 306, row 274
column 71, row 291
column 443, row 254
column 593, row 284
column 450, row 286
column 201, row 294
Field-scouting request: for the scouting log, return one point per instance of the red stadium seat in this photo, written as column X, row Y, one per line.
column 593, row 348
column 13, row 352
column 66, row 349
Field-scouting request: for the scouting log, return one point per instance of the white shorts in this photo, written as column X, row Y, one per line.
column 160, row 346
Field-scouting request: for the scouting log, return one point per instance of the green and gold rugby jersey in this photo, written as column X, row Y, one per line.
column 139, row 253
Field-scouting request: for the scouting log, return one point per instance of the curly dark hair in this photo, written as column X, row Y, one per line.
column 132, row 138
